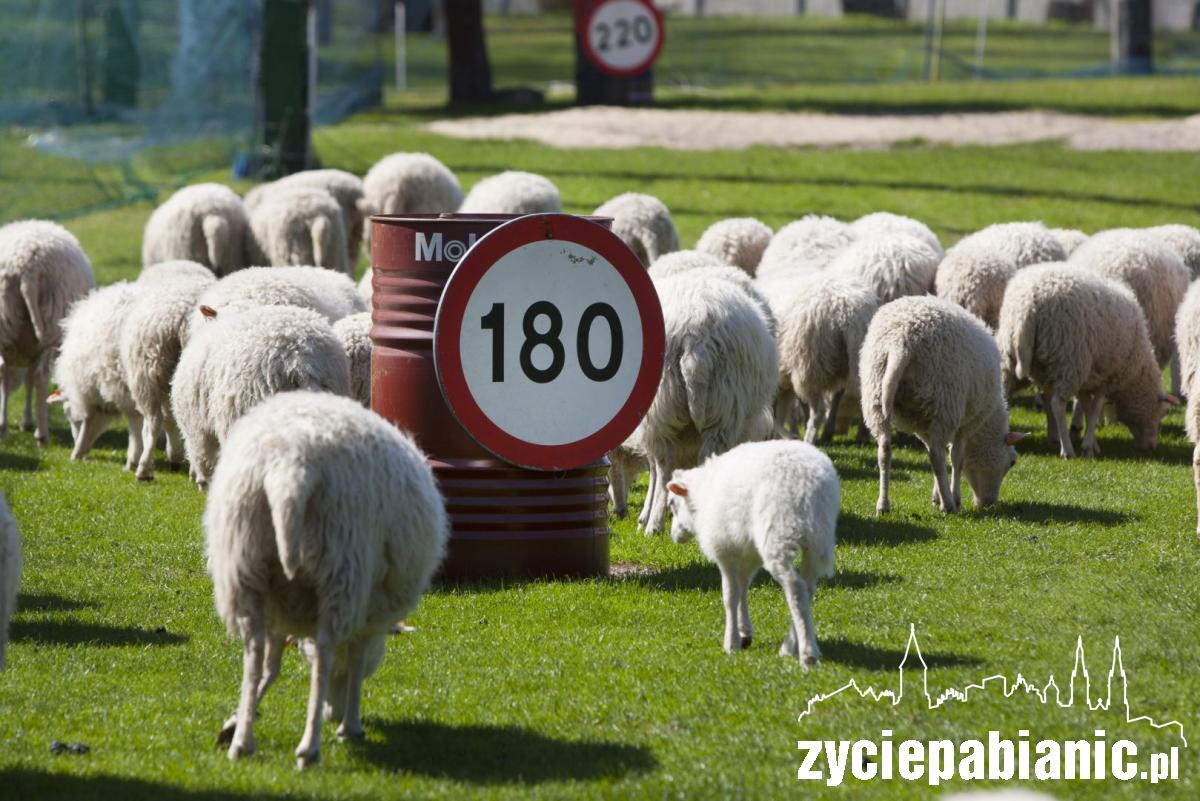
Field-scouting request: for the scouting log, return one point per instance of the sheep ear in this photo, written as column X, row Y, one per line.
column 1167, row 397
column 208, row 311
column 56, row 396
column 1013, row 437
column 678, row 488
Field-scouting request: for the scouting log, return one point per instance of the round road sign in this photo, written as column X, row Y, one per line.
column 548, row 341
column 621, row 37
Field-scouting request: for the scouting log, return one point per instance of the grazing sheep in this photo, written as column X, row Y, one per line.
column 205, row 223
column 680, row 261
column 1069, row 238
column 43, row 270
column 411, row 183
column 298, row 225
column 1079, row 335
column 324, row 522
column 346, row 188
column 974, row 277
column 10, row 572
column 1187, row 334
column 355, row 333
column 1025, row 243
column 91, row 383
column 151, row 341
column 625, row 462
column 175, row 270
column 238, row 359
column 820, row 332
column 512, row 192
column 739, row 241
column 894, row 265
column 1186, row 241
column 697, row 264
column 929, row 367
column 644, row 224
column 811, row 243
column 721, row 372
column 759, row 505
column 882, row 224
column 333, row 295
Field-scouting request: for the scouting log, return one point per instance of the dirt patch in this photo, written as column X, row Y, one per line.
column 610, row 127
column 622, row 571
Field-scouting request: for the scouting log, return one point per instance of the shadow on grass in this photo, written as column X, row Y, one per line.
column 708, row 577
column 69, row 632
column 31, row 784
column 1039, row 512
column 19, row 461
column 31, row 602
column 889, row 530
column 858, row 655
column 498, row 754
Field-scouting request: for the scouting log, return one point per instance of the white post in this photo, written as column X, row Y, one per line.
column 401, row 51
column 980, row 38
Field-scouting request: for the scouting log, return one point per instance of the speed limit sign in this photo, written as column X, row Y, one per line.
column 622, row 37
column 548, row 341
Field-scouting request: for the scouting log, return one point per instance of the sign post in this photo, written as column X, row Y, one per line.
column 616, row 44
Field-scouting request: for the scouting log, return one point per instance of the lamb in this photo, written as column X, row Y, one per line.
column 1187, row 334
column 1069, row 238
column 721, row 372
column 205, row 223
column 881, row 224
column 894, row 265
column 43, row 270
column 298, row 225
column 241, row 357
column 643, row 223
column 10, row 572
column 411, row 183
column 512, row 192
column 331, row 294
column 355, row 333
column 974, row 276
column 346, row 188
column 172, row 271
column 324, row 522
column 1186, row 241
column 758, row 505
column 739, row 241
column 931, row 368
column 1077, row 334
column 151, row 341
column 811, row 242
column 1025, row 243
column 91, row 383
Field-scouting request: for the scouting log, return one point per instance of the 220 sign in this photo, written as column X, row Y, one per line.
column 494, row 321
column 638, row 30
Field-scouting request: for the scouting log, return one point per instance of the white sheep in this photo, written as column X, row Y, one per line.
column 512, row 192
column 1079, row 335
column 680, row 261
column 411, row 183
column 333, row 295
column 239, row 358
column 298, row 225
column 1069, row 238
column 759, row 505
column 324, row 522
column 720, row 376
column 91, row 383
column 150, row 344
column 355, row 333
column 205, row 223
column 740, row 241
column 881, row 224
column 974, row 276
column 1187, row 335
column 1186, row 241
column 929, row 367
column 894, row 265
column 346, row 188
column 43, row 270
column 697, row 263
column 644, row 224
column 1025, row 243
column 810, row 243
column 175, row 270
column 366, row 289
column 624, row 463
column 10, row 572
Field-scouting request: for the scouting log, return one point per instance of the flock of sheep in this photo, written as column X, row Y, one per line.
column 324, row 522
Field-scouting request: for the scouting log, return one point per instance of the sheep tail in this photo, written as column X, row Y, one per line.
column 1025, row 348
column 896, row 362
column 32, row 298
column 288, row 492
column 695, row 370
column 324, row 252
column 216, row 240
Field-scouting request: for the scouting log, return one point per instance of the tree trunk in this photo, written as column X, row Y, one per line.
column 470, row 72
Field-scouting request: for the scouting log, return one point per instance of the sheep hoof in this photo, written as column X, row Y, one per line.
column 145, row 476
column 237, row 751
column 42, row 439
column 176, row 467
column 307, row 759
column 747, row 640
column 225, row 736
column 808, row 661
column 883, row 507
column 28, row 427
column 346, row 734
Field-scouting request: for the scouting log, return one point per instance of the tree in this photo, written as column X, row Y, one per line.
column 470, row 72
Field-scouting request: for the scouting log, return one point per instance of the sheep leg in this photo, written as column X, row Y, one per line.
column 1196, row 481
column 308, row 752
column 658, row 512
column 816, row 418
column 175, row 449
column 27, row 423
column 351, row 727
column 958, row 459
column 87, row 435
column 275, row 646
column 831, row 417
column 150, row 427
column 41, row 386
column 731, row 594
column 1093, row 405
column 618, row 492
column 799, row 605
column 6, row 388
column 1176, row 375
column 1077, row 415
column 745, row 628
column 648, row 503
column 937, row 459
column 254, row 641
column 785, row 404
column 1058, row 408
column 134, row 454
column 1051, row 423
column 885, row 472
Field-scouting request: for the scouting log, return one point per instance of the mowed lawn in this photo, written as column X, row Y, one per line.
column 618, row 687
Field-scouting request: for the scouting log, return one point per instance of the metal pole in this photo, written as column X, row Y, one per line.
column 401, row 52
column 311, row 35
column 980, row 38
column 929, row 16
column 940, row 22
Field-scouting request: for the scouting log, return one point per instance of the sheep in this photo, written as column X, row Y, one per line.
column 512, row 192
column 331, row 294
column 680, row 261
column 411, row 183
column 175, row 270
column 324, row 522
column 685, row 261
column 346, row 188
column 721, row 372
column 974, row 277
column 881, row 224
column 1079, row 335
column 1186, row 241
column 151, row 341
column 241, row 357
column 1069, row 238
column 811, row 242
column 355, row 333
column 624, row 463
column 91, row 383
column 366, row 290
column 643, row 223
column 894, row 265
column 929, row 367
column 758, row 505
column 43, row 270
column 740, row 241
column 298, row 225
column 205, row 223
column 1025, row 243
column 821, row 329
column 10, row 572
column 1187, row 334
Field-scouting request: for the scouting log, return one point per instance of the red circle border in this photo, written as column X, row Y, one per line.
column 593, row 57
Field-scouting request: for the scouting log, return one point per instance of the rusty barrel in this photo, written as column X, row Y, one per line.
column 506, row 521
